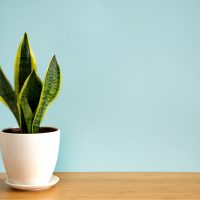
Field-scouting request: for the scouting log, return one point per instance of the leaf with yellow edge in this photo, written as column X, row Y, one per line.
column 3, row 101
column 27, row 113
column 49, row 92
column 29, row 98
column 25, row 63
column 8, row 96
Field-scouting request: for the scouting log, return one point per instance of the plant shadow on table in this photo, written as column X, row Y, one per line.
column 11, row 193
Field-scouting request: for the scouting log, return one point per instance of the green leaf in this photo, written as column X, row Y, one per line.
column 2, row 100
column 24, row 63
column 49, row 92
column 27, row 114
column 24, row 128
column 29, row 97
column 8, row 96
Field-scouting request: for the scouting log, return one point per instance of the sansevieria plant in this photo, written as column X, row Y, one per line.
column 30, row 97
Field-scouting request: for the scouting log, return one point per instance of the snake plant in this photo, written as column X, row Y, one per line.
column 30, row 97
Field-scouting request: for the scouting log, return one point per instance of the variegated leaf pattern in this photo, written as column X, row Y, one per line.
column 8, row 96
column 29, row 98
column 24, row 63
column 27, row 114
column 50, row 89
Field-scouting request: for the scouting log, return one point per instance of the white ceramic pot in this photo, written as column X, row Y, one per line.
column 30, row 159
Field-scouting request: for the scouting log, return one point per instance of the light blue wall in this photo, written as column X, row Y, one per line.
column 130, row 99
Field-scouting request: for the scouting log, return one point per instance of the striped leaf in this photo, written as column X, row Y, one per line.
column 29, row 98
column 24, row 63
column 49, row 92
column 27, row 114
column 8, row 96
column 24, row 128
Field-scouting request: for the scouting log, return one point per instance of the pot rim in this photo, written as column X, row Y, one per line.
column 16, row 130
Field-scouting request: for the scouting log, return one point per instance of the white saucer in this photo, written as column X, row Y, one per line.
column 54, row 179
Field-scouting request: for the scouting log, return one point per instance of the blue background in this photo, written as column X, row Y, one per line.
column 130, row 98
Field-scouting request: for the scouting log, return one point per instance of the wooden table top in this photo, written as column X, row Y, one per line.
column 107, row 186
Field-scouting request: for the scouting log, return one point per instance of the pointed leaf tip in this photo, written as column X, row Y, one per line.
column 50, row 89
column 54, row 58
column 25, row 35
column 24, row 63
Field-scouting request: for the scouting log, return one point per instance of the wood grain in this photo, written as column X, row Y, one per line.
column 110, row 186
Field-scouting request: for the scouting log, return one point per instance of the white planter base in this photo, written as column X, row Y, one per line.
column 30, row 159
